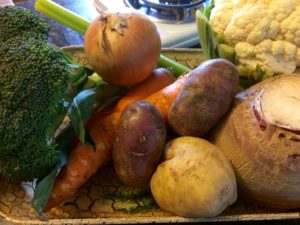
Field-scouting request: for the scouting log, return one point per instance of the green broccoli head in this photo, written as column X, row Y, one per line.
column 33, row 162
column 15, row 21
column 34, row 77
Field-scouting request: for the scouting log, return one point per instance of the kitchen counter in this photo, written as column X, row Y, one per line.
column 63, row 36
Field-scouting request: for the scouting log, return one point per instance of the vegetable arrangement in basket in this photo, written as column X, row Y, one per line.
column 97, row 117
column 149, row 122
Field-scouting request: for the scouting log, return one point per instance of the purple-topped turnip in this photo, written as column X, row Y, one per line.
column 261, row 137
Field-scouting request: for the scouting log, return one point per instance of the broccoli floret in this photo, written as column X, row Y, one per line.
column 34, row 81
column 18, row 21
column 34, row 77
column 27, row 165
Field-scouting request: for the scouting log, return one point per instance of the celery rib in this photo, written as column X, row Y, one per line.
column 176, row 68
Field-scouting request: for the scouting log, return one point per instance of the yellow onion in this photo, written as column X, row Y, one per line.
column 122, row 47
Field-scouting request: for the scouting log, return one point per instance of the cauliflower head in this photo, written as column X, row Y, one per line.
column 264, row 33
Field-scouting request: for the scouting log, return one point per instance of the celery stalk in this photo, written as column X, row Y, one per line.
column 176, row 68
column 79, row 24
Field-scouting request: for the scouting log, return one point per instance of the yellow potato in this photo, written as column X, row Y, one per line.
column 194, row 180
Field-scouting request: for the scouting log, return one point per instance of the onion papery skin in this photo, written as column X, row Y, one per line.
column 122, row 47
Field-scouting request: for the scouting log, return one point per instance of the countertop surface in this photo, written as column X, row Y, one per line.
column 63, row 36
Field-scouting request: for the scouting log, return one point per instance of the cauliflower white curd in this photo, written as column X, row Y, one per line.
column 264, row 33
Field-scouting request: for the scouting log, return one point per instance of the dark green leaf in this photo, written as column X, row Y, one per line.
column 43, row 191
column 80, row 110
column 44, row 186
column 64, row 141
column 78, row 79
column 106, row 93
column 58, row 118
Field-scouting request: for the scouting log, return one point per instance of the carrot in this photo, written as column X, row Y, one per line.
column 164, row 98
column 85, row 161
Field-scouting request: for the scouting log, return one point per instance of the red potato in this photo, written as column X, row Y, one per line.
column 205, row 98
column 139, row 143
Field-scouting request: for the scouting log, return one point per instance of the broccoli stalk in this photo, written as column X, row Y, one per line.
column 79, row 24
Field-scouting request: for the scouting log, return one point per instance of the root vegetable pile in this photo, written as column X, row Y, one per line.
column 133, row 133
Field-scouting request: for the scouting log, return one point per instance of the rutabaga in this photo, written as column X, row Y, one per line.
column 261, row 137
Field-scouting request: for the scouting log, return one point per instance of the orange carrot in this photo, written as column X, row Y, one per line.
column 85, row 161
column 164, row 98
